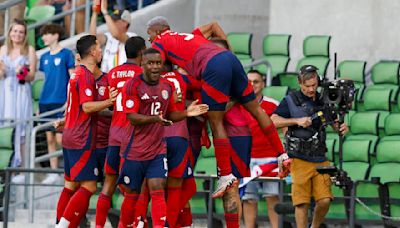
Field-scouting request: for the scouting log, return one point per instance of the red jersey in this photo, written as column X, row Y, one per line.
column 191, row 51
column 235, row 121
column 117, row 78
column 79, row 126
column 260, row 145
column 146, row 141
column 103, row 122
column 178, row 82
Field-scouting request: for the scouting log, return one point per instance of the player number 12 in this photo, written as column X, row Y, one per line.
column 155, row 108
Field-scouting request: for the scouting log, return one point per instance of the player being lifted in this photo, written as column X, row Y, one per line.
column 81, row 171
column 149, row 105
column 222, row 77
column 118, row 130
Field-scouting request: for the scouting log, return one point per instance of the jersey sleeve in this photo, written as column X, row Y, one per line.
column 130, row 98
column 70, row 59
column 283, row 109
column 41, row 67
column 197, row 31
column 160, row 47
column 86, row 87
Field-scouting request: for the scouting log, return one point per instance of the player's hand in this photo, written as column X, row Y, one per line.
column 59, row 124
column 113, row 93
column 104, row 7
column 195, row 109
column 304, row 122
column 164, row 121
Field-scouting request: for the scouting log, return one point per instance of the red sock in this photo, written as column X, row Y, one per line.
column 222, row 155
column 185, row 217
column 173, row 205
column 127, row 215
column 232, row 220
column 272, row 134
column 77, row 206
column 158, row 208
column 65, row 196
column 142, row 204
column 103, row 205
column 188, row 191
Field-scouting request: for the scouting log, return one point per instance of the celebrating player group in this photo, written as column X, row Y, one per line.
column 139, row 127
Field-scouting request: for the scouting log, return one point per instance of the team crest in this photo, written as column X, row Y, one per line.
column 102, row 90
column 46, row 62
column 129, row 103
column 57, row 61
column 88, row 92
column 164, row 94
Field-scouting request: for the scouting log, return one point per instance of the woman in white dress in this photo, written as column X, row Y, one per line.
column 16, row 57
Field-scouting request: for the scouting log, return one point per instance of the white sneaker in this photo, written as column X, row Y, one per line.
column 225, row 183
column 18, row 179
column 52, row 178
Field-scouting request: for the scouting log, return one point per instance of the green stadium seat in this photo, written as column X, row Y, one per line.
column 289, row 79
column 37, row 87
column 394, row 198
column 276, row 92
column 356, row 158
column 385, row 74
column 392, row 129
column 368, row 193
column 6, row 146
column 378, row 100
column 276, row 52
column 355, row 71
column 36, row 14
column 316, row 52
column 241, row 44
column 364, row 126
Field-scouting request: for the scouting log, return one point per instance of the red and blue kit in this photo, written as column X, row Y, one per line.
column 145, row 153
column 119, row 130
column 80, row 129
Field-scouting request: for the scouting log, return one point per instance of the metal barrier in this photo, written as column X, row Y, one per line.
column 268, row 79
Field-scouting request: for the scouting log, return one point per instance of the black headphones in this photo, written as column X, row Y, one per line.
column 307, row 69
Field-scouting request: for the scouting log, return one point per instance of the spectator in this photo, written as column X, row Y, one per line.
column 79, row 18
column 18, row 67
column 16, row 11
column 262, row 153
column 57, row 65
column 114, row 40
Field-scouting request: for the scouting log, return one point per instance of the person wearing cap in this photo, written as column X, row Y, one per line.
column 114, row 40
column 306, row 146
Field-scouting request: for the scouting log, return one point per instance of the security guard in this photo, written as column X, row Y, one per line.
column 305, row 144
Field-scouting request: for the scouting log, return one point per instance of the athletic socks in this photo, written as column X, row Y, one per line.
column 127, row 214
column 65, row 196
column 272, row 134
column 158, row 208
column 142, row 204
column 232, row 220
column 173, row 205
column 185, row 217
column 222, row 155
column 188, row 191
column 102, row 208
column 77, row 206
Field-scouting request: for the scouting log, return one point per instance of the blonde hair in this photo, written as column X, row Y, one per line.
column 25, row 46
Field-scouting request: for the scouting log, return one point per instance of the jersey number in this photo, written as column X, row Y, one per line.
column 187, row 36
column 118, row 101
column 155, row 108
column 176, row 84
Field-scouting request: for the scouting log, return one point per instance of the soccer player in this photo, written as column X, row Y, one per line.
column 149, row 105
column 79, row 136
column 262, row 153
column 118, row 130
column 222, row 77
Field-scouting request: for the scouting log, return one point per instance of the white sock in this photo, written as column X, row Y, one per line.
column 63, row 223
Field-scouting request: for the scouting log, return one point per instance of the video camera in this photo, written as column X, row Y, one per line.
column 339, row 177
column 338, row 94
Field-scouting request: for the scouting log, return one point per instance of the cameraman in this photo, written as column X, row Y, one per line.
column 305, row 144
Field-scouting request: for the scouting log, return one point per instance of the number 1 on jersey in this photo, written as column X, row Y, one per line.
column 118, row 100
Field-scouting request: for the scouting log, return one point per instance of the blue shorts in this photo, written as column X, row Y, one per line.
column 133, row 173
column 101, row 158
column 240, row 156
column 50, row 107
column 112, row 160
column 223, row 78
column 81, row 165
column 178, row 153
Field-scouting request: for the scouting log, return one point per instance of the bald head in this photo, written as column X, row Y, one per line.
column 156, row 26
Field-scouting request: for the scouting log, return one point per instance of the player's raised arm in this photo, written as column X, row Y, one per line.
column 212, row 29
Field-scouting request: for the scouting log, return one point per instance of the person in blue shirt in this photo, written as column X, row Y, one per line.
column 57, row 65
